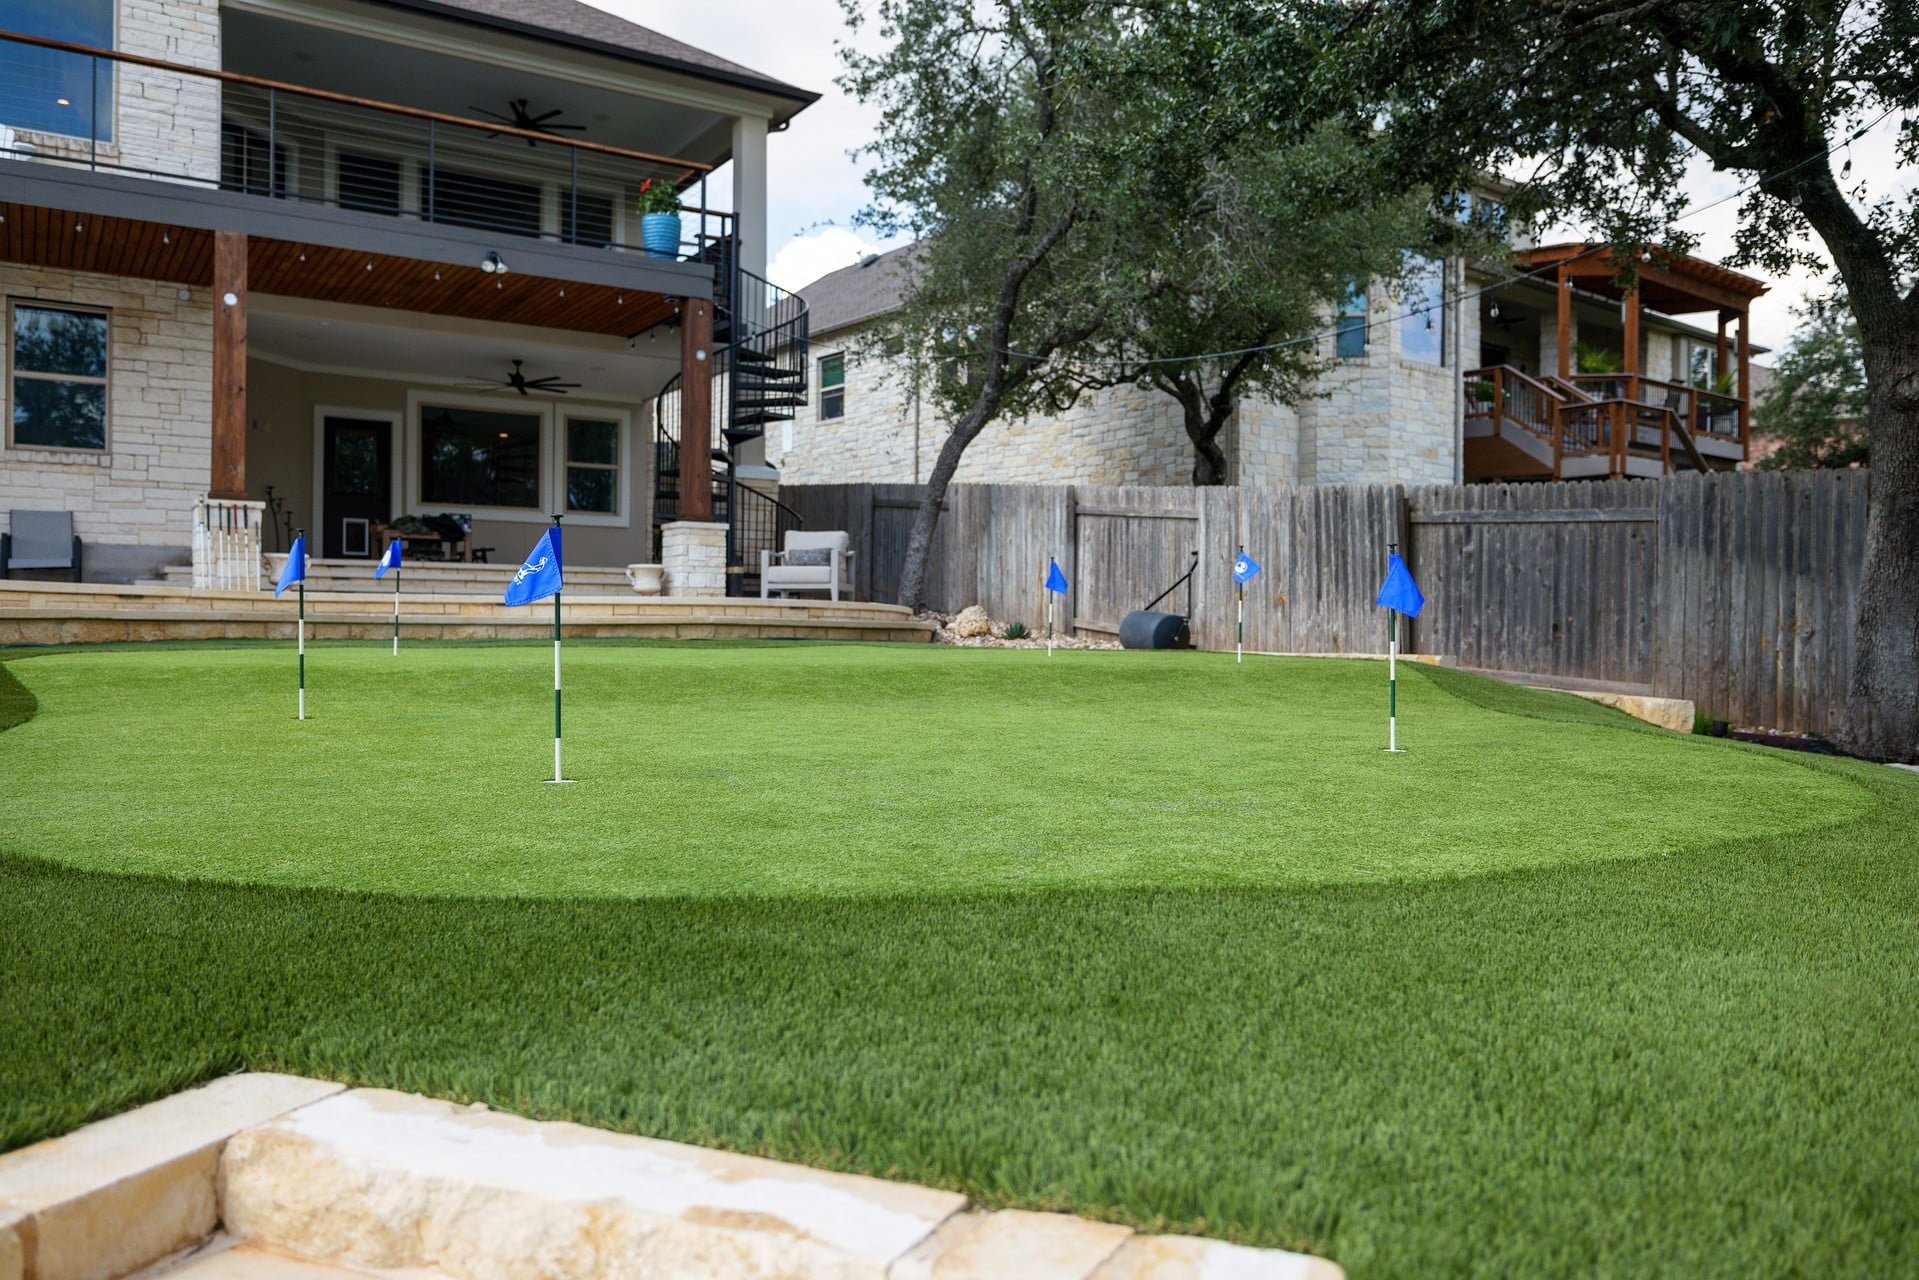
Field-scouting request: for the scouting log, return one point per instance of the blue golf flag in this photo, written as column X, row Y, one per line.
column 391, row 560
column 539, row 577
column 1399, row 591
column 1055, row 580
column 295, row 569
column 1244, row 568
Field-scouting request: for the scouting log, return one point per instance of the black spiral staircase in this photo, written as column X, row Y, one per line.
column 759, row 377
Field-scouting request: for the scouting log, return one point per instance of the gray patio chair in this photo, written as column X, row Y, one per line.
column 810, row 562
column 39, row 540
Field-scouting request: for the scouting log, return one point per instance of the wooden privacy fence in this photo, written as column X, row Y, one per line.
column 1735, row 590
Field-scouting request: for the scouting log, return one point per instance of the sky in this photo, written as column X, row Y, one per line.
column 815, row 187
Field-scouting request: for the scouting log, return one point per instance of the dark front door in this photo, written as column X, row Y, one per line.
column 358, row 484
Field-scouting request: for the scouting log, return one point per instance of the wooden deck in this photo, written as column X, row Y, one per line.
column 1519, row 427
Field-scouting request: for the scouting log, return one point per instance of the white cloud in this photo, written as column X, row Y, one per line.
column 805, row 258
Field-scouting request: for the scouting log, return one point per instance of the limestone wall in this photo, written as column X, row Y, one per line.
column 1382, row 417
column 138, row 493
column 1120, row 436
column 164, row 124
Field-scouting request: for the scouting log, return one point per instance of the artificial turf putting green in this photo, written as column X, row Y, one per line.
column 841, row 770
column 1423, row 1043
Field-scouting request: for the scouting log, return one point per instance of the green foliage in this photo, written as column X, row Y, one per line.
column 1817, row 400
column 1017, row 631
column 656, row 195
column 1588, row 358
column 1480, row 1071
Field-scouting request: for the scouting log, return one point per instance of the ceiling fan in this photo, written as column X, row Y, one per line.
column 518, row 381
column 521, row 118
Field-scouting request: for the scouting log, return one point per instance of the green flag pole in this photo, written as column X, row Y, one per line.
column 396, row 605
column 301, row 626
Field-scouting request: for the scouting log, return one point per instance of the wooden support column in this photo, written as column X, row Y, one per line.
column 1745, row 382
column 1719, row 365
column 696, row 409
column 229, row 470
column 1562, row 286
column 1629, row 320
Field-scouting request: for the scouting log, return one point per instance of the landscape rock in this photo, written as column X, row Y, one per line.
column 379, row 1179
column 973, row 621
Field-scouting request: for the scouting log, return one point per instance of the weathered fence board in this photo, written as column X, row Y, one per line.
column 1734, row 590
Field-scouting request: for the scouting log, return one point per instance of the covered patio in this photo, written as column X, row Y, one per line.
column 1585, row 375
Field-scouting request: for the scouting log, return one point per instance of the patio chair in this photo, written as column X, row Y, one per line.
column 810, row 562
column 39, row 540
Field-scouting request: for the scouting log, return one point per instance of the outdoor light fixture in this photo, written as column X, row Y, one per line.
column 493, row 263
column 1493, row 310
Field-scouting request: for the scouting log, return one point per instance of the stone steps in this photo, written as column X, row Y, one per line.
column 280, row 1178
column 84, row 613
column 416, row 577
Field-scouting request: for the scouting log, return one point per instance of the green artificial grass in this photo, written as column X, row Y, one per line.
column 826, row 769
column 1142, row 936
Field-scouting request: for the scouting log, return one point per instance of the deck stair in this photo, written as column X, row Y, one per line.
column 1521, row 427
column 417, row 577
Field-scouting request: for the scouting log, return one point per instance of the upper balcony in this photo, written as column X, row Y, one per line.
column 467, row 116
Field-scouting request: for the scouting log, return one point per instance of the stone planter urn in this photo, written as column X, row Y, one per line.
column 647, row 579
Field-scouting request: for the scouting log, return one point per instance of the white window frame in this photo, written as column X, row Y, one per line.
column 621, row 517
column 820, row 412
column 552, row 454
column 106, row 382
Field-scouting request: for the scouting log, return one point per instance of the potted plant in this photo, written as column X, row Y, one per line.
column 659, row 209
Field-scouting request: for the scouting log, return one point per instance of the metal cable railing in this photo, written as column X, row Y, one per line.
column 306, row 145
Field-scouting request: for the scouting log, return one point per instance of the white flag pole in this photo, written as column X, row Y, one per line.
column 556, row 687
column 1239, row 627
column 1046, row 589
column 301, row 626
column 1392, row 669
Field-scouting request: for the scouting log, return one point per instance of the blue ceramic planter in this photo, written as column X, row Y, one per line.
column 660, row 234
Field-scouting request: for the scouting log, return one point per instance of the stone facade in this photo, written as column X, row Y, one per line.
column 694, row 554
column 888, row 434
column 1381, row 417
column 165, row 125
column 132, row 503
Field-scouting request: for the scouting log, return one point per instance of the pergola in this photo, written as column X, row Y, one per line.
column 1674, row 284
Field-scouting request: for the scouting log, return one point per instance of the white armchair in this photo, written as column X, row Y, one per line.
column 809, row 562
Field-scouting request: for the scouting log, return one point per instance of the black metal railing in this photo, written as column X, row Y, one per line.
column 760, row 522
column 761, row 334
column 306, row 145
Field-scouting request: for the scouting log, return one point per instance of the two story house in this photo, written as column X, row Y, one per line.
column 330, row 263
column 1538, row 369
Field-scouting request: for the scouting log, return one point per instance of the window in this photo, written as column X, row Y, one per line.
column 833, row 386
column 371, row 183
column 596, row 219
column 477, row 458
column 50, row 91
column 59, row 368
column 487, row 202
column 1349, row 328
column 1422, row 333
column 592, row 465
column 243, row 161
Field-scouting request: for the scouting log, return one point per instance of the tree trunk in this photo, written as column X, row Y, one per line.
column 1881, row 719
column 919, row 542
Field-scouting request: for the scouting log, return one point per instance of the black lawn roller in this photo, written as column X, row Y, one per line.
column 1147, row 629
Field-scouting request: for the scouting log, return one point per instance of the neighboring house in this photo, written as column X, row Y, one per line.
column 1444, row 384
column 352, row 253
